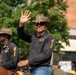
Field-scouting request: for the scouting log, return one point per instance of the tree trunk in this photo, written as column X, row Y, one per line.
column 28, row 2
column 40, row 1
column 51, row 2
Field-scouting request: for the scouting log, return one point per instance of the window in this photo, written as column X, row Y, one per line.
column 68, row 56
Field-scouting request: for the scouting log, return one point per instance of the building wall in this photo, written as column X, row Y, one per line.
column 71, row 19
column 70, row 51
column 71, row 13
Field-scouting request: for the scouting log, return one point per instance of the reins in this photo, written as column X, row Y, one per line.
column 25, row 70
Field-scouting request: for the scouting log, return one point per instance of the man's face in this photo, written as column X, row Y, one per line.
column 2, row 38
column 40, row 27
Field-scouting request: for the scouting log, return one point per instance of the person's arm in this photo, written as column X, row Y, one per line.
column 22, row 35
column 46, row 52
column 14, row 58
column 25, row 17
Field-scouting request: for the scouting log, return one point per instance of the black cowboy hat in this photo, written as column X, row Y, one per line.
column 41, row 18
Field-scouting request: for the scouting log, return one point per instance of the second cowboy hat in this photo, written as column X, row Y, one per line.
column 7, row 31
column 41, row 18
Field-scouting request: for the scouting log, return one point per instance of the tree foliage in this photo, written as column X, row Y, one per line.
column 10, row 12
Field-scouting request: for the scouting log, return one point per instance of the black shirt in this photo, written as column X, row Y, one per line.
column 10, row 56
column 41, row 47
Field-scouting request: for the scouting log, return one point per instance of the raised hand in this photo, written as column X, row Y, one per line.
column 25, row 17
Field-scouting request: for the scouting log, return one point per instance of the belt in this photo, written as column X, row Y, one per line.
column 40, row 66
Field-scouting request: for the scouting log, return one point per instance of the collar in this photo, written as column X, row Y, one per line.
column 6, row 46
column 43, row 35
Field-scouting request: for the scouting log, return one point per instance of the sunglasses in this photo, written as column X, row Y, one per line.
column 1, row 35
column 41, row 23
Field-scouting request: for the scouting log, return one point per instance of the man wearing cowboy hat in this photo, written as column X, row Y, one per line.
column 9, row 52
column 41, row 44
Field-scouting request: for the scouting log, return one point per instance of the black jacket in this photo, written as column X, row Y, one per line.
column 10, row 56
column 41, row 47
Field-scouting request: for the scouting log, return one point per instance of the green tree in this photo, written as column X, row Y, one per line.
column 10, row 11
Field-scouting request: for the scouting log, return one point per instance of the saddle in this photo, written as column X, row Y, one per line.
column 21, row 71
